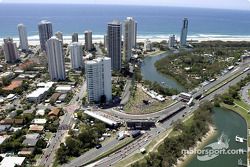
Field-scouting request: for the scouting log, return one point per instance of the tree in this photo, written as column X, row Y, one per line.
column 73, row 146
column 61, row 154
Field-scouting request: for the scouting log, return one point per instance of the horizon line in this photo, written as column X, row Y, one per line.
column 136, row 5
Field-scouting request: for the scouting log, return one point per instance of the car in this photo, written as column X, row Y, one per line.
column 98, row 146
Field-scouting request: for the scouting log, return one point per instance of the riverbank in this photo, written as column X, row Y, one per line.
column 182, row 161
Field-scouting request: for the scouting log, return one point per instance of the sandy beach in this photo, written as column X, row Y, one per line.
column 67, row 40
column 209, row 135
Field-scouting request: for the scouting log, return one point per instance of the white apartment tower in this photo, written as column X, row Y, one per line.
column 56, row 63
column 59, row 35
column 171, row 41
column 130, row 34
column 147, row 45
column 10, row 51
column 76, row 53
column 114, row 44
column 23, row 38
column 184, row 31
column 88, row 40
column 45, row 32
column 98, row 75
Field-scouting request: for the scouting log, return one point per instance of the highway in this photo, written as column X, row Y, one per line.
column 160, row 127
column 178, row 104
column 145, row 140
column 65, row 123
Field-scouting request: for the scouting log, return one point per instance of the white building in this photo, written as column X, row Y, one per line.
column 45, row 32
column 10, row 50
column 184, row 31
column 88, row 40
column 147, row 45
column 76, row 54
column 114, row 44
column 98, row 75
column 171, row 41
column 54, row 50
column 130, row 34
column 12, row 161
column 59, row 35
column 23, row 37
column 39, row 94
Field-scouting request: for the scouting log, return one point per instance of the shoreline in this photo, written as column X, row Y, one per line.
column 182, row 161
column 67, row 39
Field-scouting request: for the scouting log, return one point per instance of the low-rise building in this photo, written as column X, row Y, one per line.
column 12, row 161
column 63, row 88
column 38, row 95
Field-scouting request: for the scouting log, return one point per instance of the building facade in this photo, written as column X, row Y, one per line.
column 10, row 51
column 147, row 45
column 88, row 40
column 76, row 53
column 130, row 35
column 75, row 37
column 184, row 32
column 56, row 63
column 114, row 44
column 99, row 81
column 171, row 41
column 23, row 38
column 59, row 35
column 45, row 33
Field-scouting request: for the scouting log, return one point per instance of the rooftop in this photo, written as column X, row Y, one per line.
column 12, row 161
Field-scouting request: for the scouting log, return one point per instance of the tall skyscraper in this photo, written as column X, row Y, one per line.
column 75, row 37
column 171, row 41
column 114, row 44
column 76, row 53
column 45, row 32
column 10, row 51
column 106, row 41
column 59, row 35
column 98, row 75
column 23, row 37
column 54, row 50
column 184, row 32
column 88, row 40
column 130, row 34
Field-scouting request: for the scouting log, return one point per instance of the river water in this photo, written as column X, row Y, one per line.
column 230, row 124
column 227, row 122
column 149, row 72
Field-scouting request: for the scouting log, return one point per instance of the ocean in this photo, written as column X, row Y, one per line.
column 153, row 22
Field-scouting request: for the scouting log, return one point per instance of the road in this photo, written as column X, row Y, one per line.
column 126, row 92
column 154, row 132
column 141, row 143
column 155, row 116
column 92, row 154
column 66, row 121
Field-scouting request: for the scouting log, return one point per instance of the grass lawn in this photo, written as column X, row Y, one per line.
column 136, row 105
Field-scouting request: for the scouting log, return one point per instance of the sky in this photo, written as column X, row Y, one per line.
column 224, row 4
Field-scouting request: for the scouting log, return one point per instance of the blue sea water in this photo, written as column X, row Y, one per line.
column 153, row 22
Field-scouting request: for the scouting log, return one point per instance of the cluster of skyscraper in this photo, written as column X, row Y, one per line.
column 98, row 71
